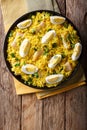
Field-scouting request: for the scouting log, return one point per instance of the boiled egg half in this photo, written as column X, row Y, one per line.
column 48, row 36
column 54, row 60
column 29, row 69
column 56, row 78
column 24, row 48
column 57, row 19
column 24, row 24
column 77, row 51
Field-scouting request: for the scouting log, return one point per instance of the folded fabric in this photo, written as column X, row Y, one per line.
column 45, row 94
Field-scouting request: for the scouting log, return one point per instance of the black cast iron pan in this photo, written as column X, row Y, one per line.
column 24, row 17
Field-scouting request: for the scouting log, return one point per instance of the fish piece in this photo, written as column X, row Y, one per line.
column 68, row 66
column 13, row 44
column 54, row 61
column 48, row 36
column 37, row 54
column 40, row 26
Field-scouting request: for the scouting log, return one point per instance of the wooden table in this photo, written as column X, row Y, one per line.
column 66, row 111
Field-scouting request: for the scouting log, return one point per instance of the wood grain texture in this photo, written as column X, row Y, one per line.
column 66, row 111
column 76, row 10
column 10, row 103
column 62, row 6
column 76, row 100
column 31, row 113
column 47, row 114
column 54, row 113
column 76, row 109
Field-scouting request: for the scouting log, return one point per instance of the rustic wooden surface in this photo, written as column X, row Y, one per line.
column 66, row 111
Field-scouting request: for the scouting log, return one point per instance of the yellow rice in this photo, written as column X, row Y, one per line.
column 35, row 40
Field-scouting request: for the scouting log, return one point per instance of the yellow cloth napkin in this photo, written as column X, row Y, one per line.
column 13, row 9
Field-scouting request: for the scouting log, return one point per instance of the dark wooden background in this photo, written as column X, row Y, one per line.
column 66, row 111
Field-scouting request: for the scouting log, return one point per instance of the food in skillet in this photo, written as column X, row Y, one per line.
column 43, row 49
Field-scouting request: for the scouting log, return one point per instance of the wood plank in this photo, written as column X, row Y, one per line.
column 76, row 100
column 47, row 114
column 54, row 113
column 76, row 109
column 31, row 113
column 1, row 86
column 62, row 6
column 10, row 103
column 77, row 12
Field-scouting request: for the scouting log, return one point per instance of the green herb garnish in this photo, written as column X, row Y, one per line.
column 10, row 34
column 61, row 68
column 35, row 75
column 54, row 45
column 65, row 24
column 63, row 55
column 68, row 38
column 17, row 64
column 12, row 55
column 33, row 31
column 29, row 82
column 24, row 63
column 16, row 59
column 39, row 20
column 35, row 49
column 72, row 45
column 54, row 72
column 49, row 29
column 46, row 51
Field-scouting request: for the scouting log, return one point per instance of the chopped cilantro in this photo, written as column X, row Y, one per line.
column 35, row 75
column 17, row 64
column 24, row 63
column 39, row 20
column 12, row 55
column 54, row 45
column 54, row 72
column 61, row 68
column 63, row 55
column 33, row 31
column 35, row 49
column 49, row 29
column 10, row 34
column 72, row 45
column 46, row 51
column 16, row 59
column 65, row 24
column 68, row 38
column 29, row 82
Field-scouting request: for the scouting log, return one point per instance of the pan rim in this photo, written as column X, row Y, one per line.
column 23, row 17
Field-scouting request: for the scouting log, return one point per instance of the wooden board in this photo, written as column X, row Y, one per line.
column 10, row 103
column 76, row 100
column 42, row 114
column 66, row 111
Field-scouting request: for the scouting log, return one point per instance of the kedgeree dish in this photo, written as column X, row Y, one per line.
column 43, row 49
